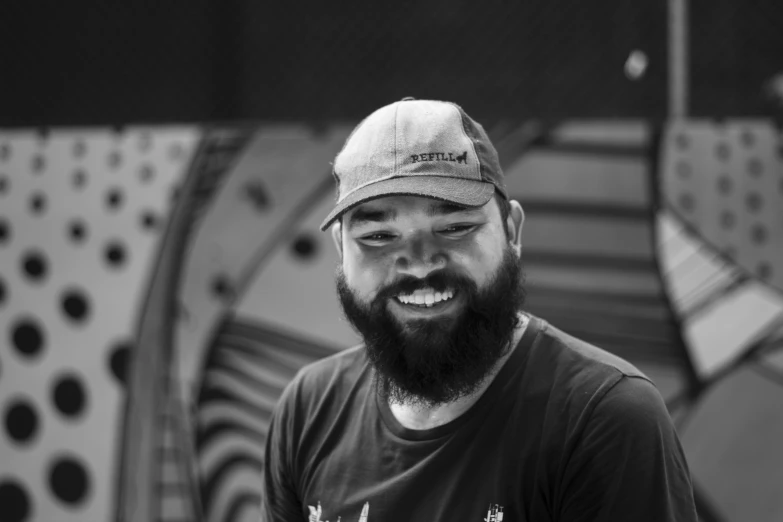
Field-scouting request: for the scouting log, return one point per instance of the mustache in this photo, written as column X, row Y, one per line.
column 440, row 281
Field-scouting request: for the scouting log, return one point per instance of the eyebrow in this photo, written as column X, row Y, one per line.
column 364, row 216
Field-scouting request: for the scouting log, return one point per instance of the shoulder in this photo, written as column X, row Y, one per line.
column 582, row 381
column 325, row 376
column 572, row 350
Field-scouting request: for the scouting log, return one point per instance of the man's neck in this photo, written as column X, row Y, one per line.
column 418, row 417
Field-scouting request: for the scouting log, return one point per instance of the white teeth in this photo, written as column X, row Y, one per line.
column 425, row 297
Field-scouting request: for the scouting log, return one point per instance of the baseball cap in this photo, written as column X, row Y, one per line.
column 415, row 147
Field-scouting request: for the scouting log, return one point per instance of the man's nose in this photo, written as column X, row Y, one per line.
column 420, row 256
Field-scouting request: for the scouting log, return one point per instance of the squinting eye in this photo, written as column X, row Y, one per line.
column 378, row 237
column 455, row 230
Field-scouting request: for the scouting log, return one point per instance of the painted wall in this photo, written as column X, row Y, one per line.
column 81, row 218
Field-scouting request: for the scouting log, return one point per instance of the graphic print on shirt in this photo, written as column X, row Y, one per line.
column 494, row 513
column 315, row 514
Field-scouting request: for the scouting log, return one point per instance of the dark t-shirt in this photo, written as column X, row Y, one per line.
column 565, row 432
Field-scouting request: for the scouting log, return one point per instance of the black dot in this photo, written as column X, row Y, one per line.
column 176, row 151
column 115, row 159
column 748, row 138
column 4, row 184
column 15, row 502
column 764, row 270
column 5, row 231
column 146, row 172
column 75, row 305
column 38, row 203
column 68, row 395
column 68, row 480
column 38, row 163
column 222, row 287
column 682, row 141
column 683, row 169
column 722, row 151
column 114, row 198
column 77, row 230
column 115, row 254
column 79, row 178
column 727, row 219
column 21, row 420
column 686, row 202
column 304, row 247
column 758, row 233
column 725, row 184
column 755, row 167
column 35, row 265
column 259, row 197
column 145, row 141
column 5, row 151
column 118, row 361
column 27, row 337
column 753, row 201
column 79, row 149
column 149, row 220
column 3, row 292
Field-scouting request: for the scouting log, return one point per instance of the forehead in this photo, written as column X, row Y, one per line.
column 395, row 207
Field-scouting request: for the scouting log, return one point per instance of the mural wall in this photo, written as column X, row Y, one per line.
column 159, row 286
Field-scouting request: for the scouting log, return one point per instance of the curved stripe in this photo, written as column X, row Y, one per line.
column 239, row 501
column 210, row 486
column 205, row 437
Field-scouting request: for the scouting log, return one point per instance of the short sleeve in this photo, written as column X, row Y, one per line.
column 279, row 500
column 628, row 463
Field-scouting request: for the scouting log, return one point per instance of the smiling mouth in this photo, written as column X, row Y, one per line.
column 426, row 298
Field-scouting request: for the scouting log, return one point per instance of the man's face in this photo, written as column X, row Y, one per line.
column 433, row 288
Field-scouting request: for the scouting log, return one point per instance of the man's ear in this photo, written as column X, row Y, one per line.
column 514, row 224
column 337, row 237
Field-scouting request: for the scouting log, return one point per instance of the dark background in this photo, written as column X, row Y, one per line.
column 96, row 63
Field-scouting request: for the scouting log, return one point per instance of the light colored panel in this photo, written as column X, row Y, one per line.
column 543, row 175
column 76, row 171
column 733, row 446
column 612, row 237
column 281, row 167
column 725, row 180
column 298, row 294
column 728, row 327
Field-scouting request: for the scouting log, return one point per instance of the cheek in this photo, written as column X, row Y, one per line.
column 364, row 275
column 479, row 261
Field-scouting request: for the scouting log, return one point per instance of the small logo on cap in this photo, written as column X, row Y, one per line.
column 440, row 156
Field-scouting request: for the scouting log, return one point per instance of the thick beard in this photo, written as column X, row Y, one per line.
column 429, row 362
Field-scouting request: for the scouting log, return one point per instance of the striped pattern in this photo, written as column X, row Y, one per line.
column 247, row 369
column 589, row 246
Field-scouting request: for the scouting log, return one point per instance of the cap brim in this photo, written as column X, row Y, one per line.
column 467, row 192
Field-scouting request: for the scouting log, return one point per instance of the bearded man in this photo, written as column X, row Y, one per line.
column 459, row 405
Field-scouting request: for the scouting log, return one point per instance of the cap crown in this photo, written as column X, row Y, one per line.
column 416, row 138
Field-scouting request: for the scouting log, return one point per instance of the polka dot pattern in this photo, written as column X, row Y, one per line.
column 21, row 420
column 81, row 213
column 727, row 182
column 69, row 480
column 16, row 501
